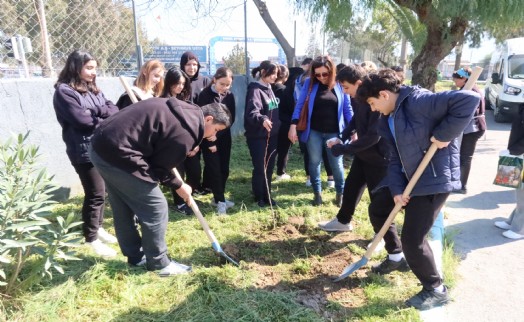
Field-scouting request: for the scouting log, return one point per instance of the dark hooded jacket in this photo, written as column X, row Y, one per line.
column 260, row 105
column 418, row 115
column 198, row 82
column 148, row 139
column 79, row 114
column 369, row 146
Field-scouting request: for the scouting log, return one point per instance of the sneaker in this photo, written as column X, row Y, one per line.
column 283, row 177
column 229, row 203
column 512, row 235
column 221, row 208
column 428, row 299
column 379, row 247
column 502, row 225
column 106, row 237
column 388, row 266
column 265, row 203
column 335, row 225
column 331, row 183
column 308, row 183
column 102, row 249
column 141, row 263
column 201, row 191
column 174, row 268
column 184, row 209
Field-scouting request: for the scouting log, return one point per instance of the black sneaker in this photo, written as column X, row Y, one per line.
column 428, row 299
column 388, row 266
column 183, row 209
column 201, row 191
column 271, row 201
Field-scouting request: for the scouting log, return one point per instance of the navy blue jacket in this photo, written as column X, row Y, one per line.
column 420, row 114
column 261, row 104
column 79, row 115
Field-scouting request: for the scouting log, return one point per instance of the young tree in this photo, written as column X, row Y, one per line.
column 236, row 60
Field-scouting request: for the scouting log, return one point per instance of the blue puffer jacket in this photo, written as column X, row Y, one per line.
column 418, row 115
column 345, row 112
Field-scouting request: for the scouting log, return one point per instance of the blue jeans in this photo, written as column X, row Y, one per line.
column 315, row 143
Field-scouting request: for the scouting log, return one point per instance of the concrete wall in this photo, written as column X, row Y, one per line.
column 27, row 105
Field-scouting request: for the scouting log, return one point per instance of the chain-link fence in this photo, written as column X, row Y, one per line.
column 105, row 28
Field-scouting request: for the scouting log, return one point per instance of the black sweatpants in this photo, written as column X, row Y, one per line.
column 467, row 149
column 191, row 171
column 361, row 174
column 94, row 198
column 263, row 153
column 216, row 166
column 283, row 146
column 419, row 215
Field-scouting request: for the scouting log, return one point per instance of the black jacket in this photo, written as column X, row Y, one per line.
column 286, row 101
column 208, row 96
column 79, row 115
column 148, row 139
column 261, row 104
column 369, row 146
column 198, row 82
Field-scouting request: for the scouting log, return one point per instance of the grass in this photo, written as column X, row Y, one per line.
column 287, row 265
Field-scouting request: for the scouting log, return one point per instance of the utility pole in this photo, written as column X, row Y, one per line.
column 139, row 54
column 47, row 66
column 245, row 42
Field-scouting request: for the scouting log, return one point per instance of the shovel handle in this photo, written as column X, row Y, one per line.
column 128, row 89
column 398, row 206
column 198, row 214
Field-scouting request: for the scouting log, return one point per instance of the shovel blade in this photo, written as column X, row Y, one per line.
column 229, row 259
column 350, row 269
column 216, row 246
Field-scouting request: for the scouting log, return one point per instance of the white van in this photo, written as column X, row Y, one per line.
column 504, row 92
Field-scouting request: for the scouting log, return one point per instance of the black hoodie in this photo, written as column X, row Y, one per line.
column 149, row 138
column 198, row 82
column 260, row 105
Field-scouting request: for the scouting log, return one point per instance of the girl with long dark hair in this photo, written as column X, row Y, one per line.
column 262, row 123
column 80, row 107
column 216, row 151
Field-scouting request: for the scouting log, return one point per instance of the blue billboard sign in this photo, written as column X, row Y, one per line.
column 172, row 54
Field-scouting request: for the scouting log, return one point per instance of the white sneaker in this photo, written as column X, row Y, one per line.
column 379, row 247
column 511, row 234
column 283, row 177
column 334, row 225
column 174, row 268
column 229, row 203
column 502, row 225
column 102, row 249
column 221, row 208
column 308, row 183
column 106, row 237
column 331, row 184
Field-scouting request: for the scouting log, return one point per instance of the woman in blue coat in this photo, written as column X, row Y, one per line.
column 329, row 112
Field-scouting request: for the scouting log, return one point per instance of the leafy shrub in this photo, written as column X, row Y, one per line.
column 26, row 231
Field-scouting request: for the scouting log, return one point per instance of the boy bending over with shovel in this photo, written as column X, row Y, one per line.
column 413, row 118
column 135, row 150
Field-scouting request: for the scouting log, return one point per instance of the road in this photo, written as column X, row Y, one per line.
column 491, row 270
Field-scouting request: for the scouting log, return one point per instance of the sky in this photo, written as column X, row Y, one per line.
column 179, row 25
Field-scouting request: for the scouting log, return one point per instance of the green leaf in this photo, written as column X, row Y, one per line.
column 28, row 224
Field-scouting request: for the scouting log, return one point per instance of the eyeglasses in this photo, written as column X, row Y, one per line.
column 321, row 75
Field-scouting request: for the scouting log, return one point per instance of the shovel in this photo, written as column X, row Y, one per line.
column 191, row 202
column 205, row 226
column 411, row 184
column 363, row 261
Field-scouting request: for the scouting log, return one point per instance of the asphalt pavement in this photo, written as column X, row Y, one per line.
column 491, row 270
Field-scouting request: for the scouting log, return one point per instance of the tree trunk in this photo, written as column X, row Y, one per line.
column 439, row 42
column 286, row 47
column 458, row 55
